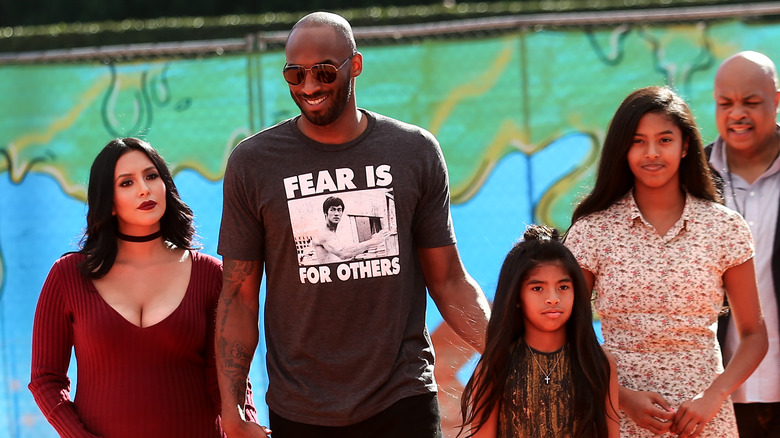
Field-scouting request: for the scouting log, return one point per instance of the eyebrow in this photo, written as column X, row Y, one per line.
column 668, row 131
column 748, row 97
column 326, row 61
column 562, row 280
column 123, row 175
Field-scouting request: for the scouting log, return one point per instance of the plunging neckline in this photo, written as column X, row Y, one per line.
column 93, row 288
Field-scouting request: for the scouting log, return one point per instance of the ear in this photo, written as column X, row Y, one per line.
column 684, row 148
column 777, row 100
column 357, row 65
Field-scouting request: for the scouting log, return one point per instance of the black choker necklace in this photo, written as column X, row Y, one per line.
column 139, row 239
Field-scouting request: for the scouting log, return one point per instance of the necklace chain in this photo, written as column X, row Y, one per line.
column 546, row 374
column 734, row 195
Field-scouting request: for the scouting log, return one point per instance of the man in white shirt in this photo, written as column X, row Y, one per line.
column 745, row 157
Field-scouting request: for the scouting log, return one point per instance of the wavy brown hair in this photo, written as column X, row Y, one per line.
column 99, row 243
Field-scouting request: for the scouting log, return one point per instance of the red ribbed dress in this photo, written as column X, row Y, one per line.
column 157, row 381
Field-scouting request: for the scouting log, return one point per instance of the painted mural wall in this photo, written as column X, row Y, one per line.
column 519, row 116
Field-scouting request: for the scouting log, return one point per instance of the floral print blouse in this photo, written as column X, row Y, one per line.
column 659, row 297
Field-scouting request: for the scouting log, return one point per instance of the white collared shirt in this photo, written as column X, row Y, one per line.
column 758, row 204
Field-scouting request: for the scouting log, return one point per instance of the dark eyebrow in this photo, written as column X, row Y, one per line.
column 561, row 280
column 327, row 61
column 123, row 175
column 668, row 131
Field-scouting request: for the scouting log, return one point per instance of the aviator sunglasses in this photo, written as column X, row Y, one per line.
column 323, row 73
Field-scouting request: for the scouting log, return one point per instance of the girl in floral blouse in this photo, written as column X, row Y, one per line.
column 543, row 373
column 660, row 252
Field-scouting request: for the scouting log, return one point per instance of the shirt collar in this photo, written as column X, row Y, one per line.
column 718, row 156
column 635, row 216
column 720, row 163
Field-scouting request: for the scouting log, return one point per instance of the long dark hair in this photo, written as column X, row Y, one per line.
column 614, row 178
column 590, row 366
column 100, row 238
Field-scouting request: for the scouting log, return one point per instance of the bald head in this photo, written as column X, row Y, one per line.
column 326, row 19
column 746, row 103
column 753, row 66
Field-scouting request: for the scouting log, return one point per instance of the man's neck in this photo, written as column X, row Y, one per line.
column 349, row 126
column 752, row 163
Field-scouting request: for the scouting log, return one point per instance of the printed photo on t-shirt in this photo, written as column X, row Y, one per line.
column 345, row 226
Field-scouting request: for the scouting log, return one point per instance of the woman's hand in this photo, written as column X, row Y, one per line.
column 245, row 429
column 649, row 410
column 693, row 415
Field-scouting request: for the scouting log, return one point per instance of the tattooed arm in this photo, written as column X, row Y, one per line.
column 235, row 342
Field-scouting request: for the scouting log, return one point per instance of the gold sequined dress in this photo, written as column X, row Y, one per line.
column 547, row 412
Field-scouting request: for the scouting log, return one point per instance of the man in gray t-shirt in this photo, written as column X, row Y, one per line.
column 349, row 354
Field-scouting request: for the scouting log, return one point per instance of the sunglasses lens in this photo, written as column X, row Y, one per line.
column 325, row 73
column 294, row 75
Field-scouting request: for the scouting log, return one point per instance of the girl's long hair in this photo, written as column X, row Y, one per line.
column 614, row 178
column 99, row 243
column 590, row 366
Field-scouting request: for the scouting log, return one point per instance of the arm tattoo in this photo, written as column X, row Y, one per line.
column 235, row 358
column 236, row 361
column 234, row 273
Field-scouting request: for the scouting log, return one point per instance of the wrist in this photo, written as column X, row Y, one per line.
column 233, row 413
column 716, row 392
column 231, row 427
column 624, row 395
column 623, row 391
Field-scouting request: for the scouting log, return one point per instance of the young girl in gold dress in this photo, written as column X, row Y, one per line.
column 543, row 373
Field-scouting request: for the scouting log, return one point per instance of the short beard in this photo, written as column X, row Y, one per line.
column 338, row 101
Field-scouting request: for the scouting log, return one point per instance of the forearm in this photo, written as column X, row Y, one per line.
column 52, row 343
column 751, row 350
column 67, row 423
column 236, row 333
column 458, row 297
column 59, row 410
column 745, row 307
column 467, row 311
column 51, row 393
column 236, row 340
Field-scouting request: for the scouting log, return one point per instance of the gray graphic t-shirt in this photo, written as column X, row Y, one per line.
column 337, row 227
